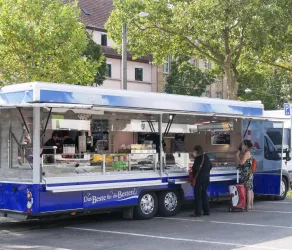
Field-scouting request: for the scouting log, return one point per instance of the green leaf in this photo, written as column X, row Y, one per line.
column 185, row 79
column 233, row 34
column 46, row 41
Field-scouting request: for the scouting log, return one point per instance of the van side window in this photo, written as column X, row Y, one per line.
column 270, row 152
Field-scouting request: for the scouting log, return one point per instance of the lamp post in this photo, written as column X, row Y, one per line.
column 124, row 49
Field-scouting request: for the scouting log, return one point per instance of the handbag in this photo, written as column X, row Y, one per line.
column 254, row 165
column 192, row 178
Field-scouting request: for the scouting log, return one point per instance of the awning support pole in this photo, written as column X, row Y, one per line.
column 45, row 128
column 19, row 109
column 150, row 123
column 160, row 144
column 169, row 125
column 20, row 148
column 36, row 145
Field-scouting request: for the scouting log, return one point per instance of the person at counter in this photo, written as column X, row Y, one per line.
column 66, row 139
column 53, row 142
column 201, row 168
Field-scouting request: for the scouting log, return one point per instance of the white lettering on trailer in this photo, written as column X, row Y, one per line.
column 111, row 195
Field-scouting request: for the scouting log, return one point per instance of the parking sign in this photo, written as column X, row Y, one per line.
column 287, row 109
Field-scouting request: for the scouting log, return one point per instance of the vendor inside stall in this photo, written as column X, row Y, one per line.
column 52, row 146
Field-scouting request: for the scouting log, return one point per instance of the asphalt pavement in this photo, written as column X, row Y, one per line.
column 269, row 226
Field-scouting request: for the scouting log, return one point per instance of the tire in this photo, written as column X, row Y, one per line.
column 169, row 203
column 147, row 206
column 283, row 189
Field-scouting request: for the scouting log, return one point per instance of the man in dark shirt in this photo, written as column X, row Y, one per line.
column 66, row 139
column 202, row 166
column 53, row 142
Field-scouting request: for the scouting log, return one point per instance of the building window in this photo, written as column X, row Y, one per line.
column 193, row 62
column 108, row 70
column 166, row 65
column 207, row 93
column 208, row 65
column 219, row 94
column 104, row 39
column 85, row 11
column 138, row 74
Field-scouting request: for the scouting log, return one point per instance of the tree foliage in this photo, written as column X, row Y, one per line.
column 233, row 34
column 44, row 41
column 186, row 79
column 273, row 88
column 93, row 53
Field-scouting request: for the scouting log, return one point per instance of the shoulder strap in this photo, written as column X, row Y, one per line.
column 203, row 159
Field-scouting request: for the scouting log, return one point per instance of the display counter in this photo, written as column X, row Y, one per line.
column 136, row 161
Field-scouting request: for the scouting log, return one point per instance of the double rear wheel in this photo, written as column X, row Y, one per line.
column 166, row 203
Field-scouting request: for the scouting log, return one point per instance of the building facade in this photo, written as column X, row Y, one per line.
column 142, row 75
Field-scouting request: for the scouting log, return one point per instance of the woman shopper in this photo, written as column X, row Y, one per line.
column 245, row 165
column 201, row 173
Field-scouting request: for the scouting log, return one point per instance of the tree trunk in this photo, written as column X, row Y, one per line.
column 231, row 78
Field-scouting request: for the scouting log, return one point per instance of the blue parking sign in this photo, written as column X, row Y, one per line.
column 287, row 109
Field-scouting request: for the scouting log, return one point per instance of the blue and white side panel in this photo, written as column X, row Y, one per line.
column 188, row 105
column 23, row 96
column 19, row 198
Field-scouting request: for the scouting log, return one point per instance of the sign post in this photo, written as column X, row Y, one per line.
column 287, row 110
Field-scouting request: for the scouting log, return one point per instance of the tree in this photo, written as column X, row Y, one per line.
column 233, row 34
column 45, row 41
column 186, row 79
column 93, row 53
column 273, row 88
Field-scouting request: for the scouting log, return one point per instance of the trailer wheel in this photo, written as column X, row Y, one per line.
column 147, row 207
column 169, row 203
column 283, row 189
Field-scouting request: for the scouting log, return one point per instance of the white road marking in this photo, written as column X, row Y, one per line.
column 281, row 243
column 175, row 239
column 224, row 222
column 277, row 212
column 279, row 202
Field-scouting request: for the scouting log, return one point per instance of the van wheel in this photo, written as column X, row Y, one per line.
column 169, row 203
column 283, row 189
column 147, row 207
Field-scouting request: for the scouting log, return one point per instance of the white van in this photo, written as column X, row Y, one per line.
column 274, row 136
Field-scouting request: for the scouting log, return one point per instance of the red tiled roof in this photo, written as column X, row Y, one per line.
column 99, row 11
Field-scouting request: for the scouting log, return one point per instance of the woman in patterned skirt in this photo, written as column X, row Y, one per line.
column 244, row 159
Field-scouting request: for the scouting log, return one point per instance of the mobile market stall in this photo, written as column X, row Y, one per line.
column 131, row 151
